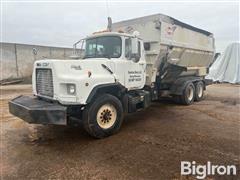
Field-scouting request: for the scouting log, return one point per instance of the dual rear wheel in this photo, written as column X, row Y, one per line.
column 192, row 92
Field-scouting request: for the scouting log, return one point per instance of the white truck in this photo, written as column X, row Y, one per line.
column 122, row 71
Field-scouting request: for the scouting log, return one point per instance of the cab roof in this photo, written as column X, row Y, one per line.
column 107, row 33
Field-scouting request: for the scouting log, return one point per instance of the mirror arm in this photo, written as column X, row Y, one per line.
column 75, row 45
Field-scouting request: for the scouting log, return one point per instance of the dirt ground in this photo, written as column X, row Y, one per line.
column 150, row 145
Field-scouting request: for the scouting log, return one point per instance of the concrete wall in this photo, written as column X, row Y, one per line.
column 17, row 59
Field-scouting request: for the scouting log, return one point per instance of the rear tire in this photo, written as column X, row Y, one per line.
column 103, row 117
column 199, row 91
column 188, row 95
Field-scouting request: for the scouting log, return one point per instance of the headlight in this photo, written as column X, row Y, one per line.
column 71, row 89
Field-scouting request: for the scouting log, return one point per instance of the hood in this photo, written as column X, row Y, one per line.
column 75, row 67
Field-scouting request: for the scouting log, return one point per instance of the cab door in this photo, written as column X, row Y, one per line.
column 135, row 71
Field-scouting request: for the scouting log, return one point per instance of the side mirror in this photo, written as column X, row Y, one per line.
column 135, row 56
column 134, row 45
column 78, row 54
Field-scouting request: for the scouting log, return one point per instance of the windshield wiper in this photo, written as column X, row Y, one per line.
column 107, row 68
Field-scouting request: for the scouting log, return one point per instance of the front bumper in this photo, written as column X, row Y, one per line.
column 36, row 111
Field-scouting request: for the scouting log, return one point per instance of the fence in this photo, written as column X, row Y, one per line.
column 17, row 59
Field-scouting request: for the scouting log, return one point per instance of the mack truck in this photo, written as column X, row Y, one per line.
column 117, row 72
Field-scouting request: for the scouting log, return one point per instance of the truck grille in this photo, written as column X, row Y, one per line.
column 44, row 82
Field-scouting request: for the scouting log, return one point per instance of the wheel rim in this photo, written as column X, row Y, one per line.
column 190, row 93
column 106, row 116
column 200, row 91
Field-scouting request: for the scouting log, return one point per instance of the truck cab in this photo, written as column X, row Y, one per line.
column 123, row 54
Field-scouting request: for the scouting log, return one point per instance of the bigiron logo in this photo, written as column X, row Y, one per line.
column 202, row 171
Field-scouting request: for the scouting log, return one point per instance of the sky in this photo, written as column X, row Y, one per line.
column 63, row 23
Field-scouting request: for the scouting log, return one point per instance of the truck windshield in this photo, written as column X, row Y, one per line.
column 103, row 47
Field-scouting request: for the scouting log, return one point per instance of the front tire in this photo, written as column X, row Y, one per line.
column 103, row 117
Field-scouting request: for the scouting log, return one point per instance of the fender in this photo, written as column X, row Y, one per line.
column 115, row 89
